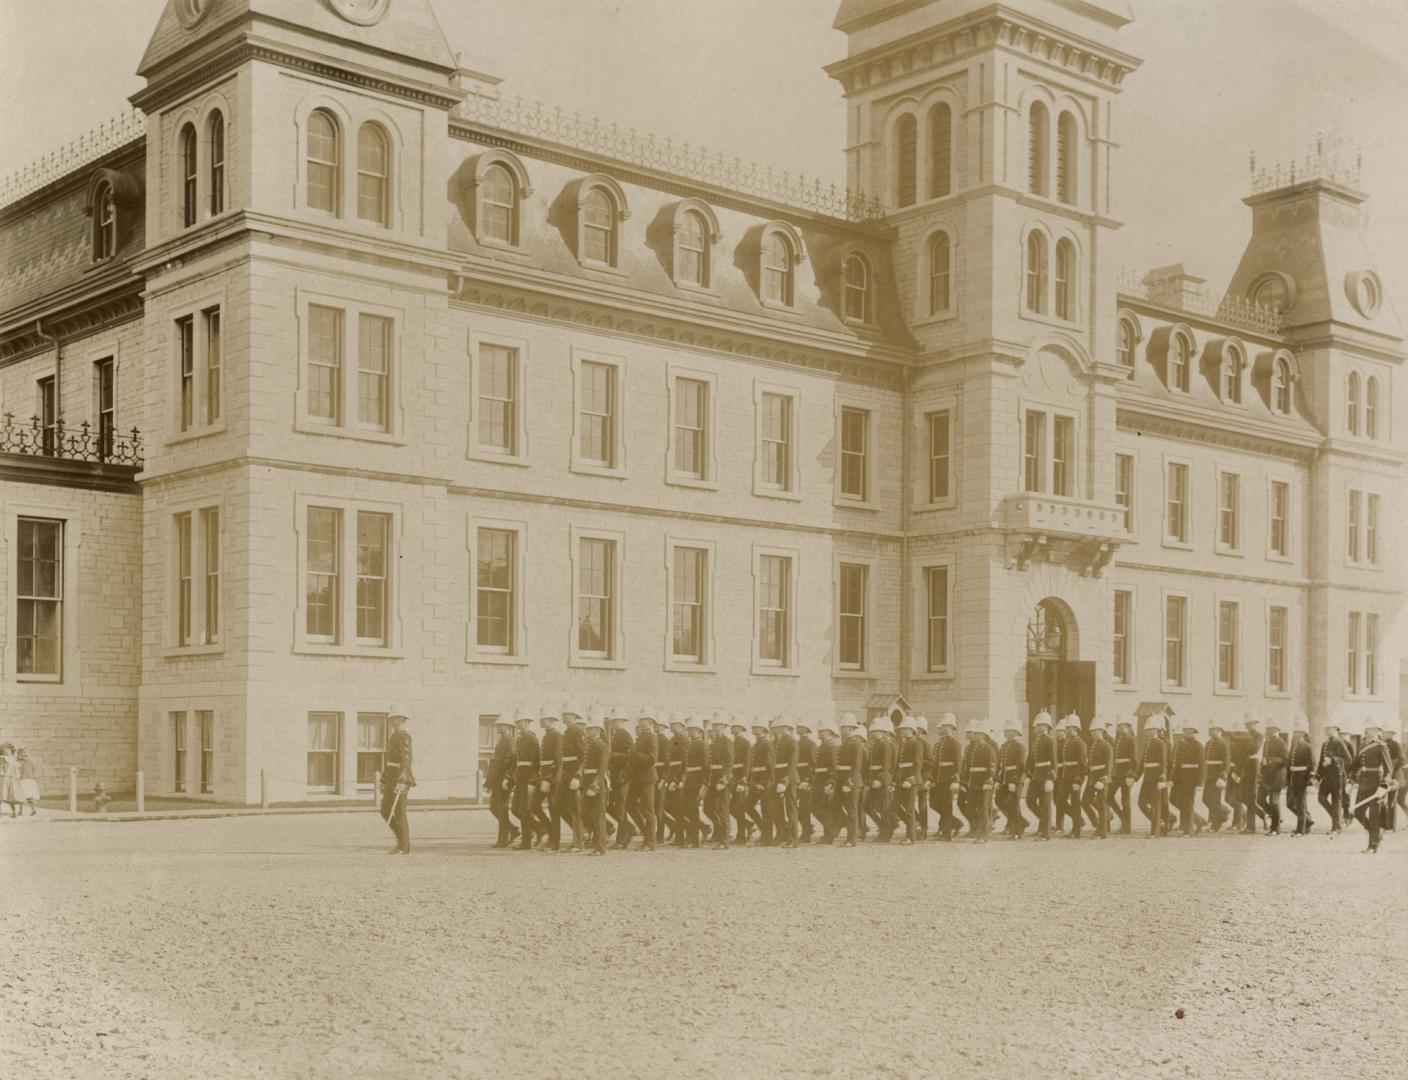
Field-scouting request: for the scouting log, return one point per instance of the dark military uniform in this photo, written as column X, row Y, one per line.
column 596, row 762
column 397, row 779
column 911, row 783
column 1190, row 772
column 1298, row 770
column 546, row 825
column 640, row 782
column 1096, row 799
column 1332, row 774
column 528, row 760
column 500, row 781
column 1041, row 770
column 824, row 787
column 567, row 801
column 664, row 813
column 618, row 801
column 850, row 786
column 1216, row 759
column 923, row 784
column 1074, row 761
column 675, row 755
column 1011, row 766
column 1249, row 777
column 759, row 774
column 980, row 769
column 1373, row 769
column 806, row 785
column 720, row 781
column 1273, row 780
column 1151, row 791
column 784, row 775
column 948, row 754
column 1125, row 773
column 880, row 785
column 742, row 786
column 696, row 764
column 1400, row 774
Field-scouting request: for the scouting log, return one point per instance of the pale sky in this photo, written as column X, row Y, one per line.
column 1220, row 79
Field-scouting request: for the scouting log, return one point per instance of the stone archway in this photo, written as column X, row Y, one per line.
column 1058, row 681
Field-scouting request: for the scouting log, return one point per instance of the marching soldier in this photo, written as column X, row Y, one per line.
column 528, row 763
column 880, row 771
column 546, row 824
column 640, row 785
column 1154, row 770
column 1249, row 770
column 1096, row 798
column 944, row 776
column 596, row 763
column 1073, row 764
column 1298, row 774
column 1373, row 769
column 850, row 777
column 824, row 789
column 1041, row 771
column 568, row 788
column 1059, row 731
column 1273, row 777
column 664, row 815
column 720, row 781
column 1332, row 774
column 1126, row 771
column 1400, row 773
column 619, row 743
column 1217, row 759
column 979, row 768
column 806, row 777
column 500, row 781
column 1011, row 765
column 783, row 781
column 1190, row 773
column 910, row 761
column 696, row 766
column 759, row 775
column 674, row 779
column 397, row 779
column 742, row 753
column 922, row 788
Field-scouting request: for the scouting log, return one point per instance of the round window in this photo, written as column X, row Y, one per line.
column 1365, row 292
column 361, row 12
column 191, row 12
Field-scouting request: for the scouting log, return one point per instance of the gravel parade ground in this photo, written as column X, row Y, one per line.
column 289, row 946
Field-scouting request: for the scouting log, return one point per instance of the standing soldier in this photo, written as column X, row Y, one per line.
column 1041, row 771
column 1373, row 768
column 1298, row 770
column 720, row 781
column 528, row 762
column 1273, row 777
column 850, row 777
column 784, row 780
column 1096, row 799
column 979, row 767
column 596, row 763
column 806, row 777
column 1154, row 770
column 911, row 772
column 547, row 824
column 696, row 767
column 1073, row 764
column 1331, row 774
column 1190, row 773
column 944, row 775
column 1011, row 764
column 569, row 779
column 1249, row 777
column 741, row 793
column 880, row 772
column 759, row 776
column 824, row 790
column 619, row 763
column 501, row 781
column 1217, row 758
column 397, row 779
column 1126, row 771
column 640, row 783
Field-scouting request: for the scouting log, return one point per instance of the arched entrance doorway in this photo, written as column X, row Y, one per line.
column 1057, row 682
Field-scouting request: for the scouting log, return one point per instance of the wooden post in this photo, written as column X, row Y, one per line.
column 73, row 789
column 141, row 792
column 264, row 788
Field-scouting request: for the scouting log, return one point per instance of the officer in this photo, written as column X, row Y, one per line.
column 1189, row 776
column 759, row 776
column 720, row 780
column 1011, row 764
column 1041, row 772
column 741, row 793
column 528, row 762
column 1126, row 772
column 1095, row 801
column 1074, row 762
column 692, row 780
column 1154, row 770
column 1249, row 771
column 948, row 754
column 1217, row 759
column 594, row 777
column 806, row 777
column 1373, row 769
column 783, row 780
column 911, row 776
column 880, row 772
column 1332, row 773
column 569, row 781
column 1299, row 767
column 640, row 784
column 850, row 777
column 500, row 781
column 619, row 742
column 824, row 790
column 547, row 824
column 1275, row 753
column 397, row 779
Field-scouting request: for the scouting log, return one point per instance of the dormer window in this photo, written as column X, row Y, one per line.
column 856, row 286
column 692, row 251
column 1231, row 379
column 601, row 207
column 112, row 195
column 189, row 174
column 324, row 162
column 499, row 206
column 1180, row 363
column 1281, row 387
column 781, row 251
column 1125, row 343
column 105, row 225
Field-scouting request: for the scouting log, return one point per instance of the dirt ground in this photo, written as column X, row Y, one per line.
column 294, row 947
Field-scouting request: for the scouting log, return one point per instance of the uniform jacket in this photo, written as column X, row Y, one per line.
column 1126, row 757
column 674, row 757
column 1255, row 742
column 1189, row 762
column 806, row 759
column 1074, row 760
column 760, row 762
column 882, row 760
column 1216, row 759
column 980, row 764
column 1273, row 763
column 595, row 762
column 1102, row 760
column 696, row 763
column 948, row 753
column 721, row 760
column 501, row 764
column 926, row 754
column 742, row 751
column 1011, row 762
column 640, row 768
column 1300, row 764
column 662, row 756
column 850, row 762
column 1041, row 761
column 548, row 754
column 398, row 758
column 1395, row 752
column 1155, row 763
column 620, row 755
column 911, row 761
column 574, row 748
column 824, row 767
column 1373, row 766
column 1334, row 760
column 784, row 760
column 528, row 758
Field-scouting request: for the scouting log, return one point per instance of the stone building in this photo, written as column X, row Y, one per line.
column 395, row 389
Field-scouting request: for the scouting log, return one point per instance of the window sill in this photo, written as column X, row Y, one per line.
column 1166, row 689
column 1233, row 553
column 502, row 247
column 607, row 472
column 384, row 438
column 776, row 493
column 843, row 503
column 605, row 269
column 39, row 680
column 1050, row 320
column 759, row 668
column 596, row 664
column 1124, row 688
column 361, row 652
column 1226, row 691
column 192, row 434
column 1276, row 695
column 496, row 660
column 692, row 482
column 1272, row 556
column 694, row 287
column 685, row 667
column 935, row 507
column 1178, row 545
column 780, row 308
column 489, row 457
column 853, row 675
column 860, row 324
column 937, row 320
column 934, row 677
column 172, row 652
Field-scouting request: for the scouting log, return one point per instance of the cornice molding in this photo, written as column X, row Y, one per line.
column 82, row 317
column 1210, row 432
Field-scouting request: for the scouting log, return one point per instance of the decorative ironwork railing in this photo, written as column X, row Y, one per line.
column 33, row 438
column 102, row 140
column 1335, row 162
column 678, row 159
column 1234, row 310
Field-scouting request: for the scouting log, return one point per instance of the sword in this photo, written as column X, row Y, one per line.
column 1377, row 795
column 395, row 803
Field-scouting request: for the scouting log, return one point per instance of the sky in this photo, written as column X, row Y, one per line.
column 1221, row 79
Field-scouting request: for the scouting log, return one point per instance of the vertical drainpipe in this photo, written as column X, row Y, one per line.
column 58, row 370
column 906, row 615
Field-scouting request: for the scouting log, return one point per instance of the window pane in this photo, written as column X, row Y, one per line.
column 1174, row 624
column 324, row 363
column 598, row 406
column 854, row 425
column 498, row 377
column 690, row 398
column 598, row 227
column 940, row 270
column 371, row 747
column 777, row 269
column 940, row 432
column 937, row 577
column 323, row 747
column 185, row 331
column 373, row 168
column 373, row 534
column 322, row 162
column 499, row 195
column 687, row 617
column 1280, row 499
column 184, row 562
column 1121, row 667
column 1276, row 649
column 373, row 371
column 773, row 587
column 1063, row 450
column 852, row 616
column 1227, row 645
column 940, row 151
column 595, row 600
column 39, row 579
column 1033, row 449
column 212, row 365
column 494, row 589
column 857, row 289
column 907, row 163
column 777, row 438
column 322, row 584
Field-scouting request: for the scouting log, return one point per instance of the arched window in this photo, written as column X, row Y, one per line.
column 217, row 163
column 104, row 224
column 373, row 174
column 324, row 162
column 692, row 250
column 498, row 202
column 1351, row 403
column 1065, row 280
column 1036, row 272
column 857, row 288
column 1066, row 158
column 1371, row 408
column 1281, row 388
column 189, row 174
column 777, row 269
column 906, row 161
column 1180, row 363
column 940, row 273
column 1231, row 379
column 598, row 228
column 1124, row 343
column 940, row 151
column 1038, row 138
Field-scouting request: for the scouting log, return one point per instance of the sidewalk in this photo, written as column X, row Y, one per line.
column 195, row 812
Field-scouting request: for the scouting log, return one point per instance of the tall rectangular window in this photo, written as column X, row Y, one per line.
column 205, row 722
column 324, row 573
column 373, row 371
column 1352, row 653
column 1229, row 510
column 1280, row 517
column 39, row 580
column 373, row 581
column 498, row 387
column 494, row 583
column 940, row 455
column 371, row 747
column 1277, row 627
column 1063, row 455
column 936, row 580
column 324, row 751
column 1124, row 488
column 186, row 343
column 1371, row 530
column 777, row 441
column 774, row 604
column 213, row 359
column 1121, row 668
column 1371, row 654
column 210, row 534
column 855, row 433
column 325, row 363
column 598, row 412
column 691, row 414
column 851, row 631
column 1356, row 510
column 1176, row 521
column 178, row 731
column 1227, row 649
column 596, row 597
column 103, row 372
column 185, row 570
column 687, row 614
column 1033, row 450
column 1175, row 638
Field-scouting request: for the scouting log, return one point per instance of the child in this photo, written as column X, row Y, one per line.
column 101, row 798
column 9, row 779
column 29, row 783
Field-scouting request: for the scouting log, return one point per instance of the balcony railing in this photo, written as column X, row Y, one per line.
column 100, row 446
column 1090, row 532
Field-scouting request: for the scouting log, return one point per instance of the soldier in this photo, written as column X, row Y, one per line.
column 1011, row 764
column 596, row 764
column 806, row 778
column 1249, row 774
column 696, row 767
column 397, row 779
column 784, row 780
column 944, row 776
column 1217, row 760
column 1190, row 773
column 1154, row 770
column 1400, row 773
column 880, row 774
column 741, row 794
column 759, row 775
column 720, row 781
column 1074, row 762
column 1331, row 774
column 850, row 777
column 926, row 751
column 979, row 766
column 1298, row 770
column 1041, row 772
column 620, row 742
column 1059, row 732
column 664, row 814
column 1373, row 768
column 500, row 781
column 547, row 825
column 569, row 781
column 1126, row 771
column 1096, row 799
column 910, row 762
column 640, row 783
column 1273, row 777
column 824, row 790
column 674, row 779
column 528, row 763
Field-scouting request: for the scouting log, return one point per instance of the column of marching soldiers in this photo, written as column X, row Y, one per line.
column 693, row 779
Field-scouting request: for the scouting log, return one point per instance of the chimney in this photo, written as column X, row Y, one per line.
column 1172, row 286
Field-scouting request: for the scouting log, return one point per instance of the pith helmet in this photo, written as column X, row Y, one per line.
column 678, row 719
column 737, row 723
column 804, row 724
column 922, row 723
column 849, row 720
column 1216, row 725
column 882, row 723
column 975, row 727
column 647, row 712
column 1070, row 723
column 948, row 720
column 1249, row 720
column 694, row 722
column 523, row 715
column 784, row 720
column 572, row 710
column 617, row 712
column 596, row 716
column 761, row 722
column 504, row 720
column 1192, row 727
column 907, row 723
column 860, row 732
column 1014, row 726
column 719, row 719
column 1042, row 717
column 1372, row 724
column 1301, row 725
column 549, row 713
column 397, row 710
column 827, row 724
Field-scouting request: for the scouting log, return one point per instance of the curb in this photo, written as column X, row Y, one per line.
column 65, row 817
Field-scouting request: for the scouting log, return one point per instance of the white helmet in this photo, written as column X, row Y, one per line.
column 882, row 723
column 1042, row 717
column 849, row 720
column 948, row 720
